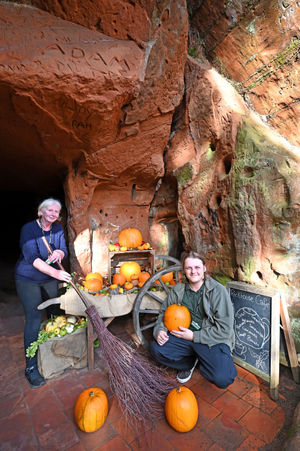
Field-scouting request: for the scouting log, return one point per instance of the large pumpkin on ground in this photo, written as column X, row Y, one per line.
column 131, row 238
column 130, row 268
column 91, row 409
column 181, row 409
column 177, row 315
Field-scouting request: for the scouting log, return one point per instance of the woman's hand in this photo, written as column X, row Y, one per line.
column 162, row 337
column 64, row 276
column 184, row 333
column 56, row 256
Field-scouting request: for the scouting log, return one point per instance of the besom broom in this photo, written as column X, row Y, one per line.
column 140, row 386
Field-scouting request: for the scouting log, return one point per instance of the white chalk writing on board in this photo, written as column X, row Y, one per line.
column 252, row 335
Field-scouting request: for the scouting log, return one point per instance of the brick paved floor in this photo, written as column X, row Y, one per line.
column 243, row 417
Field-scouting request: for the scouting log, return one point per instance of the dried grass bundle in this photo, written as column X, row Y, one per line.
column 140, row 386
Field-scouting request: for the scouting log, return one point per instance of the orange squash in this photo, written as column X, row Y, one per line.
column 143, row 277
column 119, row 279
column 130, row 268
column 113, row 286
column 167, row 277
column 131, row 238
column 94, row 275
column 181, row 409
column 93, row 284
column 177, row 315
column 128, row 285
column 91, row 409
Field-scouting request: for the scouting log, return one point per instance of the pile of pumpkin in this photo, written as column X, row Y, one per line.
column 181, row 407
column 129, row 239
column 130, row 278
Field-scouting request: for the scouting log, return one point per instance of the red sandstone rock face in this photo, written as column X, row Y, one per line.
column 128, row 20
column 237, row 185
column 88, row 93
column 97, row 108
column 256, row 44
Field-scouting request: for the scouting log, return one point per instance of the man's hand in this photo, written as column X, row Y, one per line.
column 162, row 337
column 184, row 333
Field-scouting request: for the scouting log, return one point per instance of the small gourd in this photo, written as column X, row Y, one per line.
column 128, row 285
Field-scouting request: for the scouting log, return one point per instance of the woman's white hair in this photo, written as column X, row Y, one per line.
column 46, row 203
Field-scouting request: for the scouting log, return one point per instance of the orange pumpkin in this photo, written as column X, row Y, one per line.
column 91, row 409
column 172, row 282
column 93, row 284
column 130, row 238
column 177, row 315
column 119, row 279
column 134, row 277
column 94, row 275
column 167, row 277
column 129, row 268
column 143, row 276
column 181, row 409
column 113, row 286
column 128, row 285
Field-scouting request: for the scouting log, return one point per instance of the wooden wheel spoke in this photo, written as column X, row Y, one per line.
column 154, row 296
column 149, row 311
column 148, row 326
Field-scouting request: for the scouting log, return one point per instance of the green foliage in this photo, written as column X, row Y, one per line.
column 221, row 278
column 286, row 56
column 184, row 174
column 42, row 337
column 248, row 268
column 193, row 52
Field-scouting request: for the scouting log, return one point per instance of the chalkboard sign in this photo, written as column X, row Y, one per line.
column 257, row 331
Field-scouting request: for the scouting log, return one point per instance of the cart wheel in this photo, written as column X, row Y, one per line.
column 148, row 302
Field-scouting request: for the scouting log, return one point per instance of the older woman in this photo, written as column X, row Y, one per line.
column 36, row 274
column 209, row 340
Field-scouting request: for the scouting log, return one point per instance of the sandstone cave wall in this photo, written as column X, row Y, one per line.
column 146, row 136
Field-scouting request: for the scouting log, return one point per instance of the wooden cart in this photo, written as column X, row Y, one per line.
column 145, row 305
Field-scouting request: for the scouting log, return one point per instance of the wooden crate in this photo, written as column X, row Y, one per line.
column 116, row 259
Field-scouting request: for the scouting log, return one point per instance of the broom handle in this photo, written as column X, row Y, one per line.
column 62, row 268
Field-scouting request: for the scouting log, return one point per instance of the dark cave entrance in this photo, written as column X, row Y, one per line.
column 19, row 207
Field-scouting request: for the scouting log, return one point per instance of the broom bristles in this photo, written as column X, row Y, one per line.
column 140, row 386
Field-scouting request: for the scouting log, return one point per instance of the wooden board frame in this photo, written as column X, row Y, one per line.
column 144, row 257
column 274, row 298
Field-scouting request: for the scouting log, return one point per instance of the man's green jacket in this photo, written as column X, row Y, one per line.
column 217, row 325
